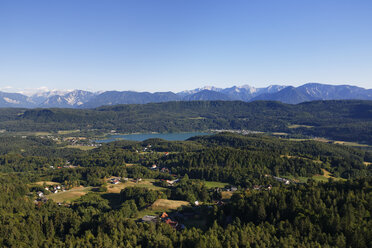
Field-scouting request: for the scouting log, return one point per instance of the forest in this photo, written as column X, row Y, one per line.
column 345, row 120
column 232, row 188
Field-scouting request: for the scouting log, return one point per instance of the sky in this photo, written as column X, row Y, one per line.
column 173, row 45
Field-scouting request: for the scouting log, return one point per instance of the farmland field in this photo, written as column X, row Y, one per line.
column 212, row 184
column 145, row 183
column 81, row 147
column 299, row 126
column 69, row 195
column 46, row 183
column 165, row 204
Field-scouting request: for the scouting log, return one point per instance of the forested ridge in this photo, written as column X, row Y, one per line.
column 338, row 120
column 333, row 214
column 262, row 212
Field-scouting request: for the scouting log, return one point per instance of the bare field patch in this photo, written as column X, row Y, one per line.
column 165, row 204
column 129, row 165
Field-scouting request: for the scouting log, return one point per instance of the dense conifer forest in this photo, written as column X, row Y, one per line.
column 237, row 191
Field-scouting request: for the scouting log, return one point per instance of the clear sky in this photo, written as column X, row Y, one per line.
column 161, row 45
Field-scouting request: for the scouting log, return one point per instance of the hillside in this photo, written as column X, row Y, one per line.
column 337, row 120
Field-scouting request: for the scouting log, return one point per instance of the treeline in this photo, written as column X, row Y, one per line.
column 243, row 160
column 334, row 214
column 339, row 120
column 325, row 214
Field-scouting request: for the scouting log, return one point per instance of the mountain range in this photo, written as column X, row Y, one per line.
column 246, row 93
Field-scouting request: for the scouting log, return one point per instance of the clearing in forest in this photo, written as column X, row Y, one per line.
column 289, row 156
column 48, row 183
column 226, row 195
column 145, row 183
column 68, row 131
column 81, row 147
column 346, row 143
column 165, row 204
column 214, row 184
column 69, row 195
column 299, row 126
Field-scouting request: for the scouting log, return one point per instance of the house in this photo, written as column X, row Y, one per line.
column 164, row 215
column 283, row 180
column 115, row 181
column 171, row 182
column 256, row 187
column 40, row 194
column 153, row 167
column 165, row 218
column 233, row 188
column 172, row 223
column 149, row 218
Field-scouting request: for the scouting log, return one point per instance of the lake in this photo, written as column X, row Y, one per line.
column 145, row 136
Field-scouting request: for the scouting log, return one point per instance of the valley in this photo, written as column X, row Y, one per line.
column 189, row 187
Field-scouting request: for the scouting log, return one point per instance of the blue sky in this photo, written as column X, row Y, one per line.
column 160, row 45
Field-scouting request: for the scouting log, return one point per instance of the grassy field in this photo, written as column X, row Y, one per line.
column 318, row 178
column 69, row 195
column 165, row 204
column 278, row 133
column 298, row 126
column 367, row 163
column 289, row 156
column 226, row 195
column 81, row 147
column 129, row 165
column 212, row 184
column 145, row 183
column 68, row 131
column 350, row 144
column 33, row 133
column 161, row 205
column 46, row 182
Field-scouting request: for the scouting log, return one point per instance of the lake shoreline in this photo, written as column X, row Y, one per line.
column 179, row 136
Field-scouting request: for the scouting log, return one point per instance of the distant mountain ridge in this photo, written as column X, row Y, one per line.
column 246, row 93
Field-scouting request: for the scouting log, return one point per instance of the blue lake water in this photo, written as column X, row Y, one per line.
column 145, row 136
